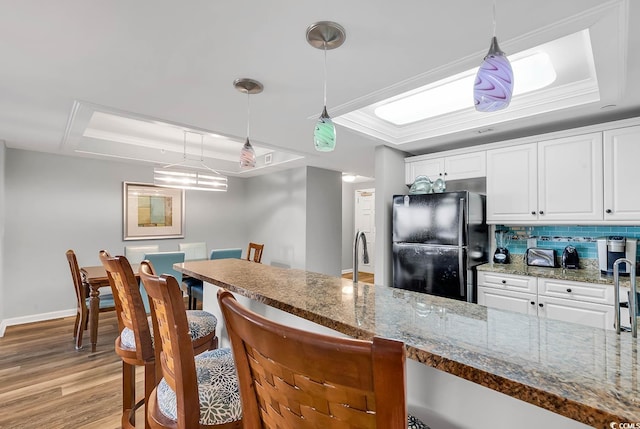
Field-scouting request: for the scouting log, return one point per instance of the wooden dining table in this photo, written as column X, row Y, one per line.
column 94, row 278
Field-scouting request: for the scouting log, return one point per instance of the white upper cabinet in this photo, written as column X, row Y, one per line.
column 621, row 161
column 512, row 184
column 570, row 179
column 557, row 181
column 454, row 167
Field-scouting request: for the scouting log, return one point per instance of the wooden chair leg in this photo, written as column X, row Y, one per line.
column 149, row 385
column 78, row 329
column 128, row 394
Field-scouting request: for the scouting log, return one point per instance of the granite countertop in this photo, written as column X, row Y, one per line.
column 588, row 272
column 587, row 374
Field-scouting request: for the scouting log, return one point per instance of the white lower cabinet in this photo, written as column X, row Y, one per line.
column 584, row 313
column 503, row 299
column 577, row 302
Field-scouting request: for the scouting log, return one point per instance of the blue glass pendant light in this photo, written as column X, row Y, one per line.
column 248, row 86
column 493, row 86
column 325, row 35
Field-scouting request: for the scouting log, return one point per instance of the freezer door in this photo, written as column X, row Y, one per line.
column 430, row 219
column 430, row 269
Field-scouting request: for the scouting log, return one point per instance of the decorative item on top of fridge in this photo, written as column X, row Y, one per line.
column 423, row 185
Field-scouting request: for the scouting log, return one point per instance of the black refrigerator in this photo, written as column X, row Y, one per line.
column 438, row 240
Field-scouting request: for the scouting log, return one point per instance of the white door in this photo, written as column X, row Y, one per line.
column 365, row 221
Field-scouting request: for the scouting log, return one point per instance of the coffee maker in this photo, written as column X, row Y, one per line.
column 612, row 248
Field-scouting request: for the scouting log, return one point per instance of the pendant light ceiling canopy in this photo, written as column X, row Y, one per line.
column 248, row 86
column 325, row 35
column 493, row 86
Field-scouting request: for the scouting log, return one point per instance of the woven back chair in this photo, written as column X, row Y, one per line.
column 293, row 379
column 132, row 321
column 196, row 391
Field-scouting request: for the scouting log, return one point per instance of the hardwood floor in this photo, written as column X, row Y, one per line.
column 362, row 277
column 46, row 383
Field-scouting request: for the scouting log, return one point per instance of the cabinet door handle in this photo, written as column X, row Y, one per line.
column 533, row 212
column 504, row 282
column 445, row 173
column 541, row 212
column 569, row 290
column 609, row 211
column 533, row 303
column 541, row 305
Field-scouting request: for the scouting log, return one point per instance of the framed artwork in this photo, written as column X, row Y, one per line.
column 151, row 212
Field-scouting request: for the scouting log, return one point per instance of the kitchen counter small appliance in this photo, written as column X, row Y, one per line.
column 612, row 248
column 501, row 255
column 570, row 259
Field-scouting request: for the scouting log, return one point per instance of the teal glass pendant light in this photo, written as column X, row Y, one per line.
column 493, row 86
column 325, row 35
column 248, row 86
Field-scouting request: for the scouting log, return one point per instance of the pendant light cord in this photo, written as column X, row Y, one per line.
column 184, row 146
column 325, row 74
column 494, row 18
column 248, row 116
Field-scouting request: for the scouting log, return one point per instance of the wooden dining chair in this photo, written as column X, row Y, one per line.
column 195, row 391
column 294, row 379
column 257, row 252
column 135, row 344
column 82, row 300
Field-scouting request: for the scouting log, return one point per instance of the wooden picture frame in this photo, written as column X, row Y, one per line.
column 152, row 212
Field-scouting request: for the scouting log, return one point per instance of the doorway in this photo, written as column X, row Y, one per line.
column 364, row 221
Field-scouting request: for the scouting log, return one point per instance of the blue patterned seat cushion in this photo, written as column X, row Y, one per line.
column 415, row 423
column 201, row 323
column 217, row 389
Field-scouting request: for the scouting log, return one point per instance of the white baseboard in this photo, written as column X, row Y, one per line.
column 34, row 318
column 349, row 271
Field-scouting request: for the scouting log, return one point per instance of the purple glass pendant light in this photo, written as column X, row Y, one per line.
column 248, row 86
column 493, row 86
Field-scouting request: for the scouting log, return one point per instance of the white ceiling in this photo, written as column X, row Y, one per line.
column 175, row 62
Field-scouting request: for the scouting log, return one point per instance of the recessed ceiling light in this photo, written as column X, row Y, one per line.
column 348, row 178
column 532, row 70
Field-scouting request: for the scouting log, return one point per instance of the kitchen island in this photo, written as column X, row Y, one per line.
column 585, row 374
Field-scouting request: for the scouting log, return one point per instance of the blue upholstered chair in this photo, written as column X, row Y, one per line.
column 195, row 286
column 163, row 264
column 233, row 253
column 193, row 252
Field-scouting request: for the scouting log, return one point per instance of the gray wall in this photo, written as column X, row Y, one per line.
column 52, row 203
column 389, row 172
column 276, row 204
column 3, row 150
column 348, row 220
column 324, row 221
column 57, row 203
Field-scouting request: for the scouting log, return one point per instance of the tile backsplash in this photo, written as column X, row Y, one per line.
column 583, row 238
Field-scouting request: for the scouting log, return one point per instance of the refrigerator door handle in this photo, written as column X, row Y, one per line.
column 461, row 272
column 461, row 220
